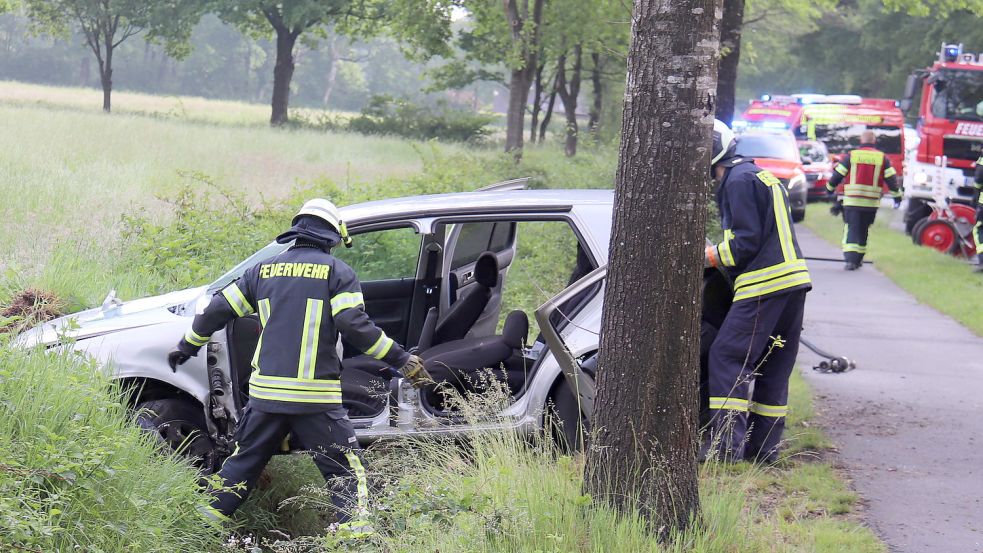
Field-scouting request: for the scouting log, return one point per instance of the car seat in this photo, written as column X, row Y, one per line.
column 463, row 313
column 461, row 363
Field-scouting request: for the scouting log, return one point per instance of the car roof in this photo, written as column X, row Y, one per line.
column 504, row 200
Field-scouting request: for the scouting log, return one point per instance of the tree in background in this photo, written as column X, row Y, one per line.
column 865, row 48
column 645, row 412
column 731, row 27
column 105, row 24
column 416, row 22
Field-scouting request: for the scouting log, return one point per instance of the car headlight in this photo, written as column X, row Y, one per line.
column 797, row 180
column 921, row 178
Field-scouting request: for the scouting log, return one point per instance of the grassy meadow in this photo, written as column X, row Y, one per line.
column 146, row 202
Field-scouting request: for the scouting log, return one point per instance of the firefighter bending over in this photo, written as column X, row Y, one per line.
column 304, row 297
column 978, row 228
column 759, row 337
column 867, row 172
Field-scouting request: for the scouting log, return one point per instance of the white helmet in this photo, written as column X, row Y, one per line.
column 723, row 141
column 327, row 212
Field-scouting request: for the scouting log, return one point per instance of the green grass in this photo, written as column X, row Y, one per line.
column 77, row 475
column 935, row 279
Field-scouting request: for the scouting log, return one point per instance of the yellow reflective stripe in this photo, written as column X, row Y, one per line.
column 363, row 487
column 308, row 342
column 345, row 300
column 381, row 347
column 978, row 235
column 761, row 275
column 237, row 300
column 846, row 232
column 724, row 252
column 854, row 201
column 867, row 191
column 291, row 396
column 784, row 223
column 889, row 172
column 854, row 248
column 264, row 311
column 841, row 169
column 194, row 338
column 731, row 403
column 768, row 410
column 867, row 157
column 783, row 283
column 286, row 383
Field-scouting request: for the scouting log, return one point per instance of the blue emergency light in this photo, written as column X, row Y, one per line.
column 950, row 52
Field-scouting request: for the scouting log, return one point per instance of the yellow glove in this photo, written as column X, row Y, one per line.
column 415, row 371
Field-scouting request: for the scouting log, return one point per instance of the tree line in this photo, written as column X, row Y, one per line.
column 548, row 55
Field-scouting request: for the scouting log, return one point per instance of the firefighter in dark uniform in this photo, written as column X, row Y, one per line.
column 867, row 172
column 978, row 228
column 759, row 338
column 304, row 297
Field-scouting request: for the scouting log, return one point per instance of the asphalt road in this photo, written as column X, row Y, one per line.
column 908, row 422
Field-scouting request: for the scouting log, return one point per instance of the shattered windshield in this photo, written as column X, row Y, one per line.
column 958, row 95
column 840, row 138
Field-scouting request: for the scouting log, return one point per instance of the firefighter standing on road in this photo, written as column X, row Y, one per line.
column 304, row 298
column 978, row 228
column 867, row 172
column 759, row 337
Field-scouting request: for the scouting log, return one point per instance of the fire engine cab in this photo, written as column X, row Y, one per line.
column 950, row 125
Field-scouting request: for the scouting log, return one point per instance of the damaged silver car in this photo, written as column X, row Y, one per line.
column 456, row 277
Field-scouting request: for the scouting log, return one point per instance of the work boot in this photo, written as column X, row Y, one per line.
column 850, row 266
column 978, row 269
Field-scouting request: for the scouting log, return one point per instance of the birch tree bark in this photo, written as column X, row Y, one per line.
column 643, row 455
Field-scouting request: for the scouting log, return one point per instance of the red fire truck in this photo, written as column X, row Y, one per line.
column 836, row 120
column 950, row 125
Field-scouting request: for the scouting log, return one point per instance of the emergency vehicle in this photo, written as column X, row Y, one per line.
column 836, row 120
column 950, row 126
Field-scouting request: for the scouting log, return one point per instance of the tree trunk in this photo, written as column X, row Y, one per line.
column 569, row 91
column 645, row 411
column 537, row 103
column 597, row 90
column 731, row 27
column 283, row 72
column 106, row 77
column 521, row 77
column 335, row 58
column 550, row 104
column 515, row 118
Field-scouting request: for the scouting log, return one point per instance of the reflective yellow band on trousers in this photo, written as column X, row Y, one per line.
column 978, row 235
column 294, row 390
column 729, row 403
column 768, row 410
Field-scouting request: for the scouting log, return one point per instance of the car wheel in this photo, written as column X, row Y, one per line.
column 179, row 425
column 798, row 216
column 569, row 425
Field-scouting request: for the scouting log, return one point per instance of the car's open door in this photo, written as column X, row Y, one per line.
column 555, row 318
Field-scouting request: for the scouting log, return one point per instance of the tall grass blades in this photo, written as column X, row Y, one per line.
column 77, row 475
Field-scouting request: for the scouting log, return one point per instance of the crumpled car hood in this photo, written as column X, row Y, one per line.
column 130, row 314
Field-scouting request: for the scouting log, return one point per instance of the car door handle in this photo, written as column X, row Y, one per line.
column 467, row 276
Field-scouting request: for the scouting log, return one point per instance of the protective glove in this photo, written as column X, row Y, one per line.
column 836, row 209
column 897, row 203
column 416, row 372
column 177, row 357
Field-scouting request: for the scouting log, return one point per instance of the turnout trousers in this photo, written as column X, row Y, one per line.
column 757, row 343
column 858, row 221
column 328, row 436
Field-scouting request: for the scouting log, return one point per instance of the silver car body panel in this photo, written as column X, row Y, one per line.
column 134, row 337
